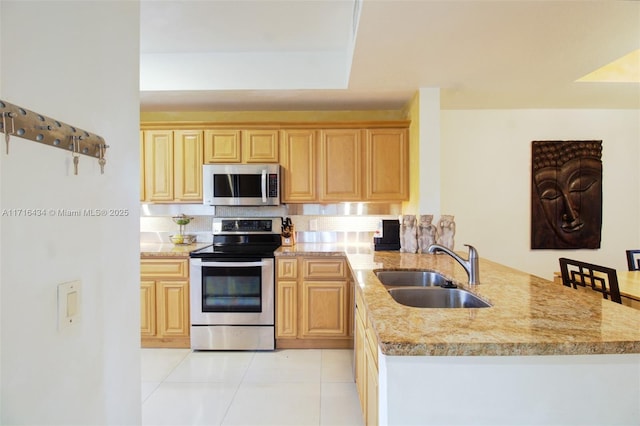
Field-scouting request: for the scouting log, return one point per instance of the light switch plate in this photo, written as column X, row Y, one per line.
column 69, row 298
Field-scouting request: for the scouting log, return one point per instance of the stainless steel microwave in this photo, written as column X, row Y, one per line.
column 241, row 184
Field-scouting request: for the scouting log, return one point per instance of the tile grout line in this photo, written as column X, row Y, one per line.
column 235, row 393
column 162, row 380
column 320, row 393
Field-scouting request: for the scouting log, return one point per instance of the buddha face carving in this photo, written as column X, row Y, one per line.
column 567, row 195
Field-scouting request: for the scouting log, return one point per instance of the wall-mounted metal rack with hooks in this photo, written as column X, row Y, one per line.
column 17, row 121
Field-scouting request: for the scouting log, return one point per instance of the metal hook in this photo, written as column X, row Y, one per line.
column 102, row 161
column 75, row 153
column 7, row 135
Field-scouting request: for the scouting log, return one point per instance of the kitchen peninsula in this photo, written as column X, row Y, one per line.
column 542, row 354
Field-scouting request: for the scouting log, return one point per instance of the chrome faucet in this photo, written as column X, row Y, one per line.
column 470, row 265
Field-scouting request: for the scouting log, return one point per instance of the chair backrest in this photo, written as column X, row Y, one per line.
column 633, row 260
column 599, row 278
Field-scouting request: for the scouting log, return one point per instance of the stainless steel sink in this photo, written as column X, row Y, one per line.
column 437, row 297
column 412, row 278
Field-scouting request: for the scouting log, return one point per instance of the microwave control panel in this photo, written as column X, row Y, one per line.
column 272, row 187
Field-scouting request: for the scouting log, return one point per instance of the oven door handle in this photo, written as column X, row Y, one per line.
column 233, row 264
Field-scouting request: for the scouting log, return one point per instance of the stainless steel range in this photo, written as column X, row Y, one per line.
column 233, row 286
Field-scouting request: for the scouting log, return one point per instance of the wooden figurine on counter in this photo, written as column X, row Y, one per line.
column 427, row 233
column 408, row 234
column 446, row 231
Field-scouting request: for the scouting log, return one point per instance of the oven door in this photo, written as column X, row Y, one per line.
column 232, row 291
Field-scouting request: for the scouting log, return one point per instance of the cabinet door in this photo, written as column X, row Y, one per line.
column 147, row 308
column 259, row 146
column 222, row 146
column 360, row 367
column 298, row 160
column 371, row 415
column 340, row 165
column 324, row 309
column 158, row 163
column 387, row 165
column 172, row 299
column 287, row 309
column 188, row 148
column 142, row 194
column 287, row 268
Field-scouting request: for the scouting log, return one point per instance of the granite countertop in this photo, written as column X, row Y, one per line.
column 529, row 316
column 168, row 249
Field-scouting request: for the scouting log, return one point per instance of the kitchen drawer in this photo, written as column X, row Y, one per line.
column 287, row 268
column 164, row 268
column 319, row 268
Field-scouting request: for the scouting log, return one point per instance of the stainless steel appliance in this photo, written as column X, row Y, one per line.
column 241, row 184
column 232, row 286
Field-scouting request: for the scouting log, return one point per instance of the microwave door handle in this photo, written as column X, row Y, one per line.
column 264, row 185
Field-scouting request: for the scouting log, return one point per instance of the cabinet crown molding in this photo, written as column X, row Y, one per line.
column 204, row 125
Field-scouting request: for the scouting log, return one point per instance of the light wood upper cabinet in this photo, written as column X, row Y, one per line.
column 260, row 146
column 241, row 146
column 158, row 165
column 172, row 168
column 344, row 165
column 187, row 151
column 222, row 146
column 346, row 162
column 387, row 165
column 341, row 165
column 298, row 156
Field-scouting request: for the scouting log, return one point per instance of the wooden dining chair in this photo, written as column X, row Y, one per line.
column 599, row 278
column 633, row 260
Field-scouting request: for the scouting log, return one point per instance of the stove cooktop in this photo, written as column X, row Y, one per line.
column 241, row 237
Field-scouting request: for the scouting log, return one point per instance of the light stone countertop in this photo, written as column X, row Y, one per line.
column 151, row 250
column 529, row 316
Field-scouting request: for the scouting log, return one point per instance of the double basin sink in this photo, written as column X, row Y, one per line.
column 427, row 289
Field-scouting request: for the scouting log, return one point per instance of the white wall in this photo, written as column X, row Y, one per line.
column 76, row 62
column 486, row 181
column 597, row 389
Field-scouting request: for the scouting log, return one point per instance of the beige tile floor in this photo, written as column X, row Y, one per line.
column 285, row 387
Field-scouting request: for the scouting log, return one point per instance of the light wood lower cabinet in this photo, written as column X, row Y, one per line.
column 313, row 303
column 366, row 360
column 164, row 303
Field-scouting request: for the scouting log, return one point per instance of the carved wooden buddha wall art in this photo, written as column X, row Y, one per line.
column 566, row 194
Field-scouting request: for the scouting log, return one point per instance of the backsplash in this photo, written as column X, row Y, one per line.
column 344, row 222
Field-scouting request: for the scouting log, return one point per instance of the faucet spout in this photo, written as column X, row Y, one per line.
column 470, row 265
